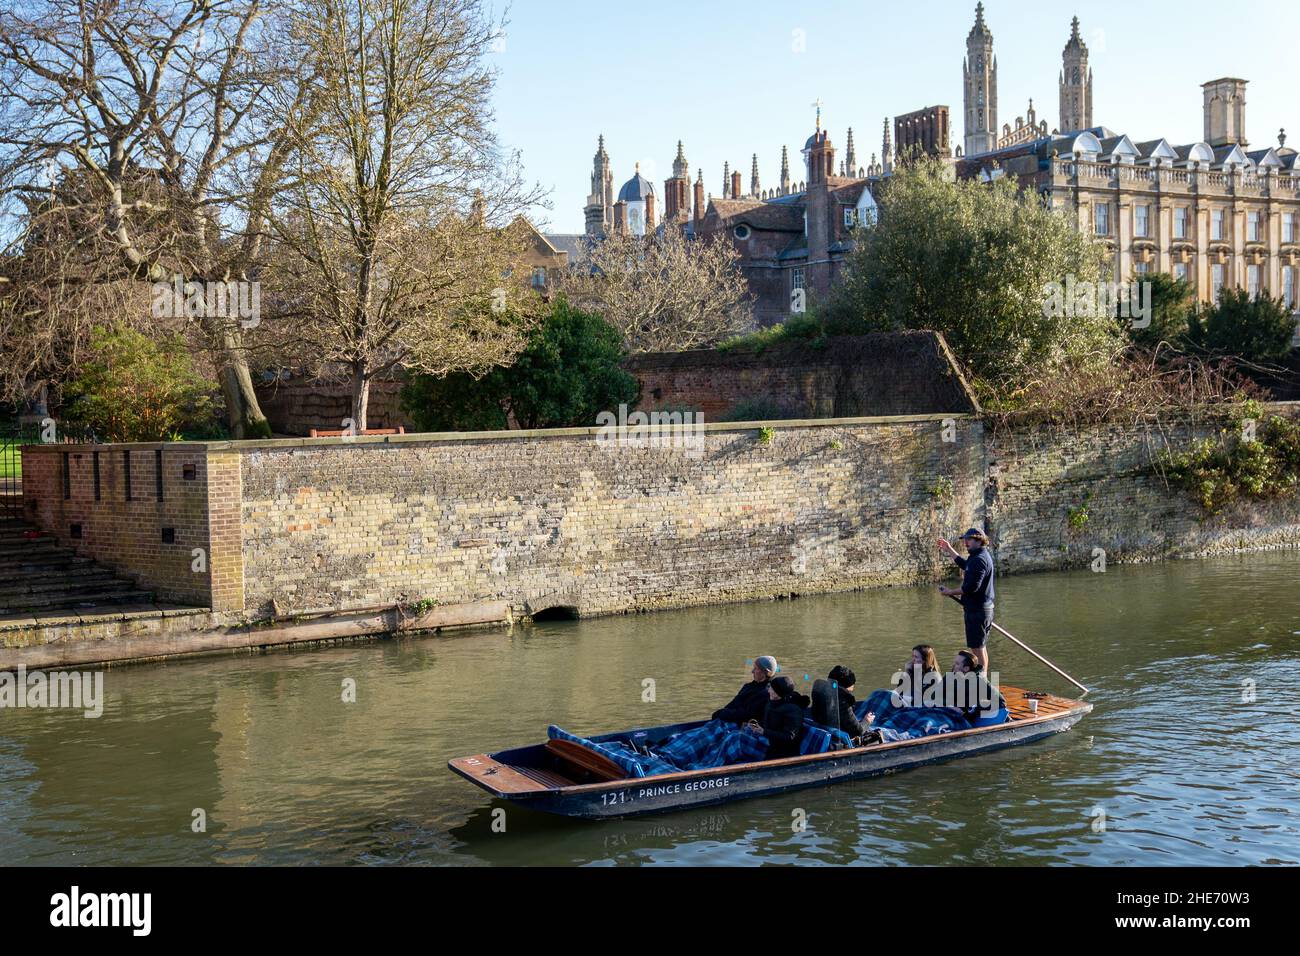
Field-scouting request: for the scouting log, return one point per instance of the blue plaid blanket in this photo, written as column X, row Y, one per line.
column 715, row 744
column 906, row 723
column 635, row 764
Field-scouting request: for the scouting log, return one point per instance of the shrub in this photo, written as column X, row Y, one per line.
column 1254, row 329
column 137, row 387
column 1218, row 472
column 565, row 376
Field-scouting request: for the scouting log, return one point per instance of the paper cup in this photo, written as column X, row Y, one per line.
column 1033, row 705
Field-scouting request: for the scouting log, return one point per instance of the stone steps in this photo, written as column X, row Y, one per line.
column 37, row 574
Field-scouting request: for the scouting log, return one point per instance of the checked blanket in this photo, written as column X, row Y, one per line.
column 905, row 723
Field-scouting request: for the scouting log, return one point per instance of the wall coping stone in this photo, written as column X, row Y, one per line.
column 508, row 434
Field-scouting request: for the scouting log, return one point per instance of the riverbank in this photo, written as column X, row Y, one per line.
column 593, row 522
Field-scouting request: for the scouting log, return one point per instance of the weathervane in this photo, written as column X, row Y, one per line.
column 818, row 103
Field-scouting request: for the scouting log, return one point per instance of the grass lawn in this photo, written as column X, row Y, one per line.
column 11, row 460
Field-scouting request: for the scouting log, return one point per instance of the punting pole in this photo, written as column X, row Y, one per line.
column 1007, row 634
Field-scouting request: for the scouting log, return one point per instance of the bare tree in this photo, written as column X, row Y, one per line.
column 155, row 107
column 394, row 239
column 665, row 293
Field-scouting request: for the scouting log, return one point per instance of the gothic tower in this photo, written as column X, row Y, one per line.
column 677, row 200
column 980, row 77
column 599, row 211
column 1076, row 84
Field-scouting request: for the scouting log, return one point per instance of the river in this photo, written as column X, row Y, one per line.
column 1191, row 756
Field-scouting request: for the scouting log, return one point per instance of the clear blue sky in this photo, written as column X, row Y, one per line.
column 725, row 78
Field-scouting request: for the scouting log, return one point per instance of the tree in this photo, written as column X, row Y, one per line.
column 136, row 387
column 565, row 376
column 1257, row 329
column 663, row 292
column 394, row 238
column 1173, row 301
column 158, row 94
column 975, row 262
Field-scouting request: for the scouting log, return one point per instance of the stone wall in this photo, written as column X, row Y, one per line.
column 557, row 518
column 1038, row 474
column 564, row 518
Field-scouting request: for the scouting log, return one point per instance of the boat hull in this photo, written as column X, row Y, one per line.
column 698, row 788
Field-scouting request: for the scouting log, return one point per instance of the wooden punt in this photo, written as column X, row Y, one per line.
column 563, row 778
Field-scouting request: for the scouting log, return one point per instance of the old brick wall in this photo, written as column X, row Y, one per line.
column 122, row 527
column 894, row 373
column 1038, row 474
column 557, row 519
column 296, row 405
column 903, row 373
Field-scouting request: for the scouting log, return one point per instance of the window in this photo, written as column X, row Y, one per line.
column 796, row 278
column 1252, row 280
column 1216, row 281
column 1180, row 271
column 1252, row 227
column 1288, row 286
column 1216, row 224
column 539, row 278
column 849, row 219
column 1288, row 227
column 1180, row 222
column 1142, row 268
column 1101, row 218
column 1141, row 220
column 741, row 232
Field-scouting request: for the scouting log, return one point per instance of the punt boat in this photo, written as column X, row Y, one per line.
column 564, row 778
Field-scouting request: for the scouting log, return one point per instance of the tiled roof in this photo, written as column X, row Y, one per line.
column 777, row 217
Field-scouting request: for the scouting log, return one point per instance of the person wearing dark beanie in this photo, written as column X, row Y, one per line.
column 783, row 719
column 845, row 680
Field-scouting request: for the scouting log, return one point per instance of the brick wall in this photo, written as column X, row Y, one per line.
column 560, row 519
column 556, row 519
column 903, row 373
column 123, row 528
column 895, row 373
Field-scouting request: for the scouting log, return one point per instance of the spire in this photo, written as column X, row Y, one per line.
column 785, row 171
column 887, row 149
column 981, row 28
column 681, row 168
column 850, row 154
column 753, row 178
column 1075, row 42
column 726, row 180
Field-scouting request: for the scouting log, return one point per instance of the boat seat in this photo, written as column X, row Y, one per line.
column 588, row 761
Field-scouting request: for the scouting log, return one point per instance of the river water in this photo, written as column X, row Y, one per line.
column 1191, row 756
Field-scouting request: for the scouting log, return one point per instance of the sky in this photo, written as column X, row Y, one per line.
column 730, row 79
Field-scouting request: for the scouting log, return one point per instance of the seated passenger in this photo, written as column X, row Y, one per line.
column 969, row 691
column 782, row 723
column 845, row 681
column 916, row 677
column 751, row 702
